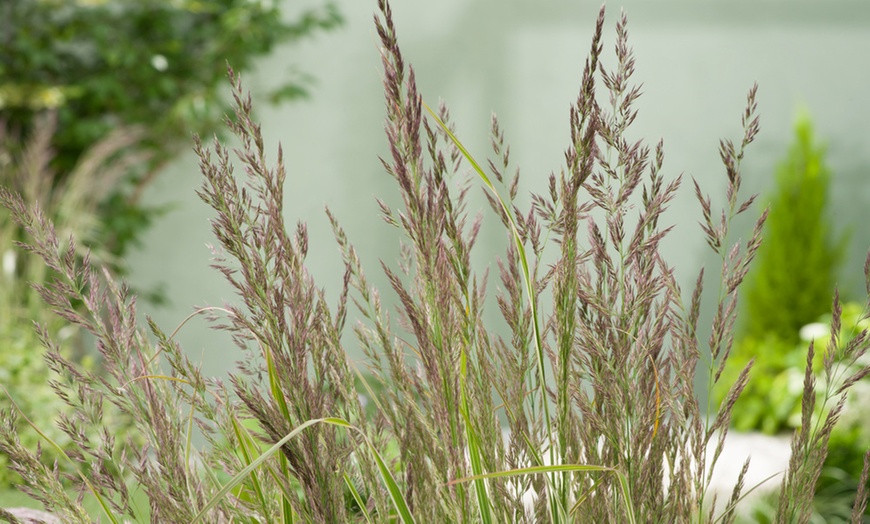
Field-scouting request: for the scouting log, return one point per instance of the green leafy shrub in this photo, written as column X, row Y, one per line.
column 847, row 445
column 22, row 369
column 774, row 404
column 596, row 388
column 156, row 64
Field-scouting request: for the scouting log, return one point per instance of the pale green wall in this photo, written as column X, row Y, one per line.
column 522, row 59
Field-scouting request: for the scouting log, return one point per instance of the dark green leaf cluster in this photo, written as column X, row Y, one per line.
column 154, row 63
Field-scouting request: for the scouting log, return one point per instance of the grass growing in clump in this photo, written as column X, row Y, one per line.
column 596, row 387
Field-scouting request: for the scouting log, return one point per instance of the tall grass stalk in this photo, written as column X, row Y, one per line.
column 585, row 411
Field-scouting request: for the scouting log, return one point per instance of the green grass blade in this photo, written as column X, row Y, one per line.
column 518, row 244
column 392, row 487
column 476, row 465
column 563, row 468
column 286, row 508
column 278, row 395
column 533, row 470
column 357, row 498
column 240, row 476
column 245, row 440
column 582, row 498
column 626, row 496
column 474, row 452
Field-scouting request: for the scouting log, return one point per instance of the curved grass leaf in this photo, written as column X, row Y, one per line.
column 530, row 289
column 389, row 481
column 356, row 496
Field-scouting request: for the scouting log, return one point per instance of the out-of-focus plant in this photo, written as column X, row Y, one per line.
column 158, row 64
column 773, row 405
column 780, row 410
column 25, row 167
column 786, row 306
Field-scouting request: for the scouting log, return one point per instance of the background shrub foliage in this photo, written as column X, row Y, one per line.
column 797, row 266
column 156, row 64
column 595, row 388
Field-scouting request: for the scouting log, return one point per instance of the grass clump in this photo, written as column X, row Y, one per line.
column 595, row 387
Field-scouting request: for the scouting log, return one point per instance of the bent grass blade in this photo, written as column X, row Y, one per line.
column 393, row 488
column 530, row 285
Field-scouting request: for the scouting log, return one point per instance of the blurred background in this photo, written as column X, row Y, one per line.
column 137, row 81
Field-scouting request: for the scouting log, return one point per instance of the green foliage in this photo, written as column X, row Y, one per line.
column 23, row 373
column 73, row 206
column 794, row 278
column 772, row 404
column 158, row 64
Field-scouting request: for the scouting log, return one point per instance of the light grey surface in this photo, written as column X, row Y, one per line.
column 523, row 60
column 768, row 460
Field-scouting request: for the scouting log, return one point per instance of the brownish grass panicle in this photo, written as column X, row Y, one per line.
column 861, row 497
column 294, row 333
